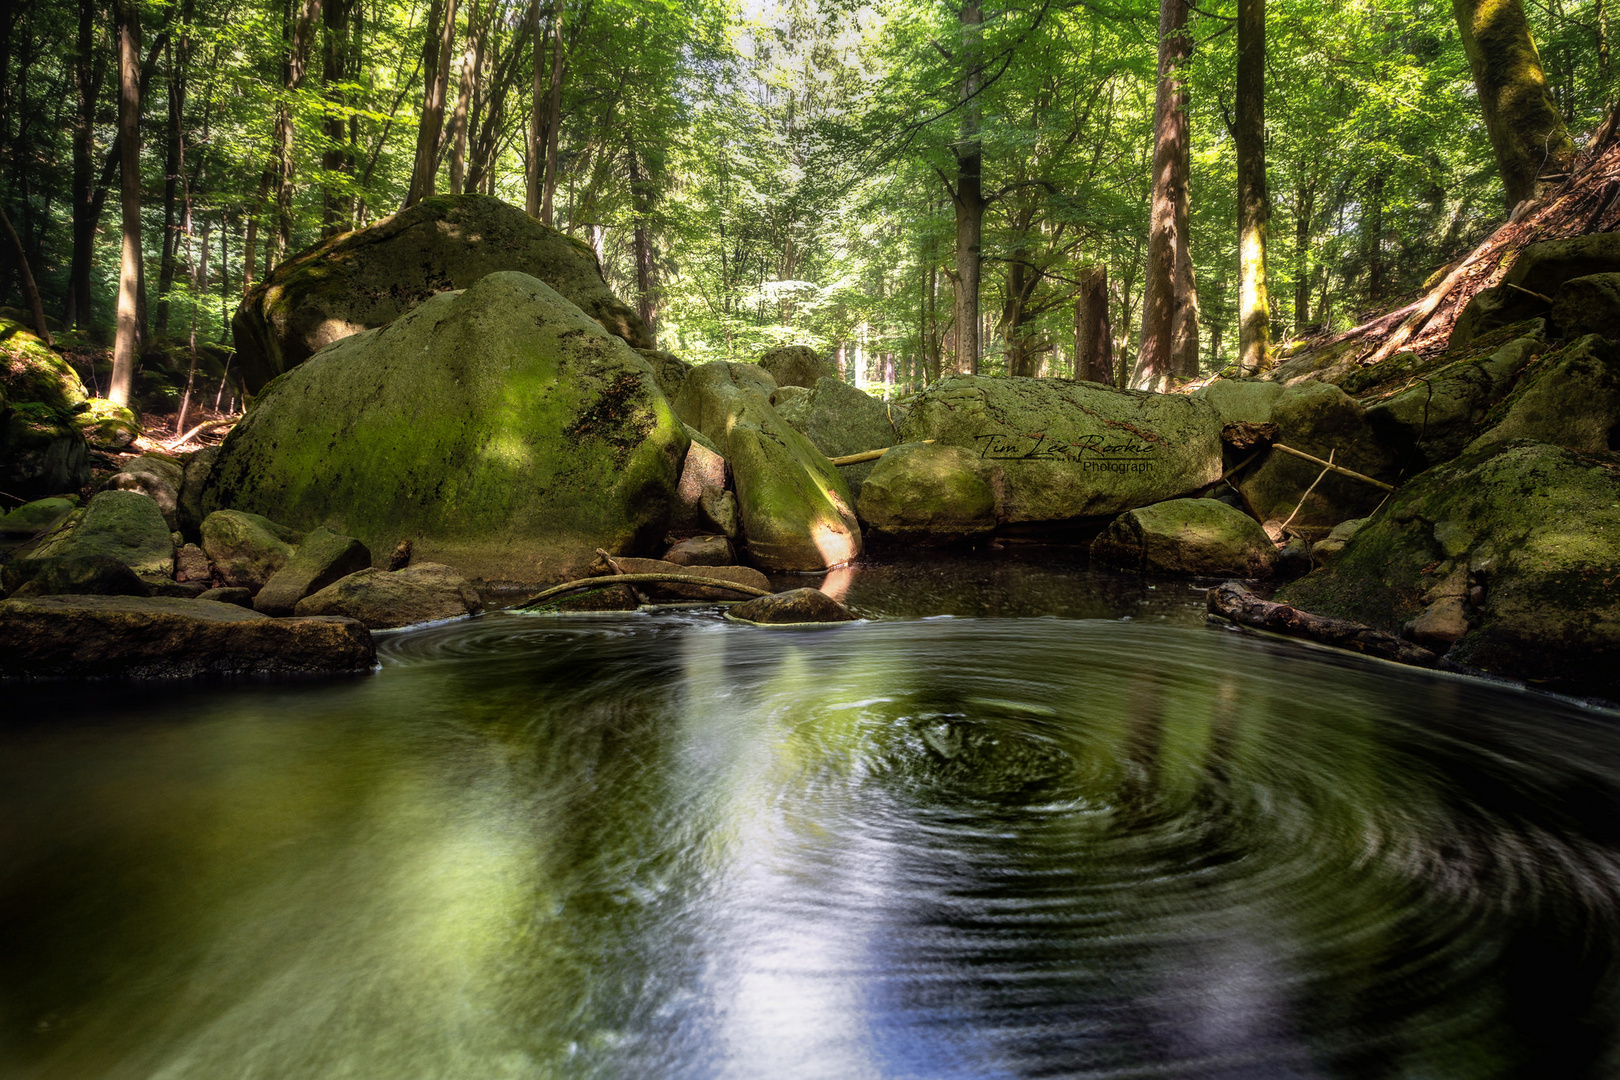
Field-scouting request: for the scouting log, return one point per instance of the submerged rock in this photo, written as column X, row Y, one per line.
column 1187, row 536
column 246, row 549
column 498, row 429
column 792, row 607
column 1073, row 449
column 383, row 600
column 1534, row 528
column 161, row 637
column 369, row 278
column 929, row 494
column 796, row 510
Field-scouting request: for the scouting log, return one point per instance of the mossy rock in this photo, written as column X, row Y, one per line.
column 106, row 426
column 371, row 277
column 840, row 419
column 1536, row 528
column 32, row 371
column 156, row 475
column 1199, row 537
column 1072, row 449
column 1539, row 272
column 1320, row 419
column 927, row 494
column 797, row 512
column 797, row 365
column 123, row 525
column 499, row 429
column 1571, row 400
column 42, row 452
column 247, row 549
column 1241, row 401
column 1589, row 305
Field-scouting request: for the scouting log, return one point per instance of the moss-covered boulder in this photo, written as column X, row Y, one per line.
column 42, row 453
column 1073, row 449
column 796, row 607
column 158, row 476
column 1589, row 305
column 322, row 558
column 668, row 369
column 1539, row 272
column 1571, row 398
column 30, row 370
column 840, row 419
column 797, row 365
column 105, row 426
column 1434, row 417
column 384, row 600
column 122, row 525
column 82, row 575
column 1320, row 419
column 1187, row 536
column 1534, row 532
column 371, row 277
column 797, row 512
column 246, row 549
column 498, row 429
column 197, row 467
column 1241, row 401
column 929, row 494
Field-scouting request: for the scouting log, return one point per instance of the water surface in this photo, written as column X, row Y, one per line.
column 665, row 846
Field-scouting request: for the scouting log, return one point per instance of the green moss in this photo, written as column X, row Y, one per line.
column 32, row 371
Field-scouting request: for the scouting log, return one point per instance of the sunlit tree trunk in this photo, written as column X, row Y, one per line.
column 1531, row 143
column 534, row 175
column 1167, row 237
column 441, row 38
column 129, row 137
column 1254, row 308
column 303, row 33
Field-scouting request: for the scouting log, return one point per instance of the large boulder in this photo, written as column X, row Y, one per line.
column 930, row 494
column 797, row 512
column 162, row 637
column 1187, row 536
column 30, row 370
column 371, row 277
column 158, row 476
column 840, row 419
column 1589, row 305
column 247, row 549
column 498, row 429
column 383, row 599
column 42, row 452
column 197, row 467
column 1241, row 401
column 1431, row 420
column 797, row 365
column 88, row 575
column 1571, row 398
column 1521, row 538
column 1073, row 449
column 323, row 557
column 1320, row 419
column 1538, row 273
column 668, row 369
column 122, row 525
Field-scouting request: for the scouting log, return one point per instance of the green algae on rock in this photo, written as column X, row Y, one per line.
column 499, row 429
column 928, row 494
column 1187, row 536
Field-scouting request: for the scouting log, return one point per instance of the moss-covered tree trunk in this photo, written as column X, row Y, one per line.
column 1249, row 131
column 1531, row 143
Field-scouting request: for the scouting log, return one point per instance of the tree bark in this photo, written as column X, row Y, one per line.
column 969, row 198
column 641, row 206
column 1531, row 143
column 30, row 290
column 337, row 157
column 129, row 136
column 533, row 173
column 553, row 115
column 87, row 75
column 441, row 37
column 1167, row 237
column 303, row 33
column 1304, row 213
column 179, row 69
column 472, row 58
column 1249, row 135
column 1093, row 337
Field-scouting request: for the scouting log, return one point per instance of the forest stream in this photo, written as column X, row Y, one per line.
column 1125, row 844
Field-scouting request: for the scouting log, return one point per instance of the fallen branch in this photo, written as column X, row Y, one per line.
column 1431, row 303
column 638, row 579
column 1340, row 469
column 1233, row 601
column 1284, row 527
column 1529, row 292
column 206, row 425
column 864, row 455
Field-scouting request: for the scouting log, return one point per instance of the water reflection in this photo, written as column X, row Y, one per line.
column 666, row 847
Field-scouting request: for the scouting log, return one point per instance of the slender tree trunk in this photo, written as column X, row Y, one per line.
column 441, row 38
column 553, row 114
column 129, row 136
column 1167, row 238
column 532, row 175
column 641, row 206
column 303, row 34
column 969, row 197
column 1093, row 337
column 179, row 54
column 87, row 76
column 1528, row 134
column 31, row 291
column 1304, row 215
column 1374, row 225
column 336, row 158
column 472, row 56
column 1254, row 306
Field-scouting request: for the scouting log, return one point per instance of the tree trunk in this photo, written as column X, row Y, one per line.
column 441, row 37
column 1093, row 337
column 1304, row 213
column 87, row 76
column 532, row 175
column 303, row 34
column 1249, row 135
column 1531, row 143
column 553, row 114
column 641, row 206
column 472, row 59
column 179, row 67
column 31, row 291
column 969, row 198
column 1373, row 223
column 336, row 158
column 129, row 137
column 1167, row 238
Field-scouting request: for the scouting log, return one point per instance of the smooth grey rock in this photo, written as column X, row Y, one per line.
column 1187, row 536
column 382, row 600
column 157, row 476
column 322, row 558
column 794, row 607
column 929, row 494
column 246, row 549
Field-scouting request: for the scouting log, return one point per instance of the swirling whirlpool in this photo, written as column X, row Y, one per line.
column 638, row 847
